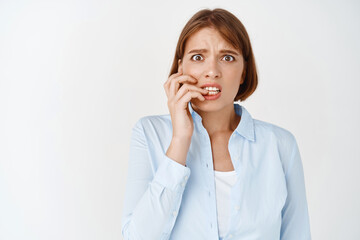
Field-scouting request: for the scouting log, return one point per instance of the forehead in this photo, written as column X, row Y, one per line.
column 207, row 38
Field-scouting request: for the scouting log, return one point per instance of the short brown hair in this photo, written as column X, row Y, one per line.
column 234, row 32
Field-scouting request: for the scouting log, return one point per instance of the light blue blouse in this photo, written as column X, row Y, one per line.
column 166, row 200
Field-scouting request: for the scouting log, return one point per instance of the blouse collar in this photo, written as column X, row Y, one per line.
column 246, row 126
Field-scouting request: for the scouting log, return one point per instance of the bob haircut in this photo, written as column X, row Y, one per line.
column 234, row 32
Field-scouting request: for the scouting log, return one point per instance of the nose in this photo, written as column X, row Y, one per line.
column 213, row 70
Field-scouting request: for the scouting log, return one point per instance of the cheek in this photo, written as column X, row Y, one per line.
column 192, row 69
column 235, row 74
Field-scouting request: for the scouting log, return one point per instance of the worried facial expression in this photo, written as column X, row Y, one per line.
column 209, row 58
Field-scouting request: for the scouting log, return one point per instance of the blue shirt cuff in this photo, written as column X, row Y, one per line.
column 172, row 174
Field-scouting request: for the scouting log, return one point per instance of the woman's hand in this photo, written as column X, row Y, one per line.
column 178, row 99
column 180, row 89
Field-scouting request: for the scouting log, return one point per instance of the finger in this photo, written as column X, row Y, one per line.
column 175, row 84
column 172, row 77
column 174, row 87
column 183, row 102
column 186, row 88
column 186, row 78
column 166, row 84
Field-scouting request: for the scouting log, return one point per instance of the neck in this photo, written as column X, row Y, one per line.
column 224, row 120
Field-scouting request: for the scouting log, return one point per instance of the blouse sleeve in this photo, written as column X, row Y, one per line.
column 295, row 219
column 152, row 200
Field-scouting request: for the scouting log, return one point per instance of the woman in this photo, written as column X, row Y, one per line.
column 208, row 170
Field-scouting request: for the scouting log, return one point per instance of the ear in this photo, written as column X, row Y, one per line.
column 179, row 65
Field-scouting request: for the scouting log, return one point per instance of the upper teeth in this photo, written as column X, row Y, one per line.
column 211, row 88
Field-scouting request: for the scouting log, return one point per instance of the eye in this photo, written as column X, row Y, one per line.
column 229, row 58
column 197, row 56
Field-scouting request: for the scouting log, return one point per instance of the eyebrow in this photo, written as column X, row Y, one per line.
column 205, row 50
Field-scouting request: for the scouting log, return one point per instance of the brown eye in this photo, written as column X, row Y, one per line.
column 196, row 57
column 229, row 58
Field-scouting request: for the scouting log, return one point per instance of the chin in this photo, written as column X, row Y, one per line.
column 207, row 105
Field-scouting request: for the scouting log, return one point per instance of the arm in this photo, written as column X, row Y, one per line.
column 295, row 219
column 152, row 200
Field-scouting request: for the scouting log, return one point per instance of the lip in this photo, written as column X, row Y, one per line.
column 212, row 85
column 212, row 97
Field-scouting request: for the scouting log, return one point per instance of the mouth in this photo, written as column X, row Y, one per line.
column 212, row 95
column 212, row 90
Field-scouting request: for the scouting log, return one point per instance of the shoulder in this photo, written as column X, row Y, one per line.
column 153, row 130
column 281, row 139
column 153, row 120
column 277, row 131
column 154, row 125
column 271, row 132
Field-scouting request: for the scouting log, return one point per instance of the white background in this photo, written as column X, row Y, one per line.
column 76, row 75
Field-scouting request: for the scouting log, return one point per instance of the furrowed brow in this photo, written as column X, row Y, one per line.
column 198, row 51
column 229, row 51
column 205, row 51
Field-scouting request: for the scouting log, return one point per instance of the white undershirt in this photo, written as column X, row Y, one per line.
column 223, row 184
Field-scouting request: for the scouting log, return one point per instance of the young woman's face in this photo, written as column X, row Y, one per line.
column 210, row 59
